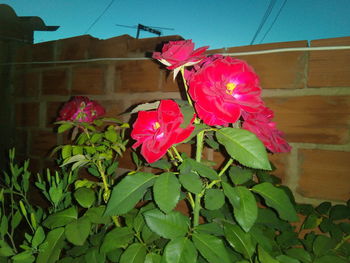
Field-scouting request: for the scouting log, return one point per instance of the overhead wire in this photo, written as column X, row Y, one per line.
column 100, row 16
column 263, row 20
column 274, row 21
column 268, row 51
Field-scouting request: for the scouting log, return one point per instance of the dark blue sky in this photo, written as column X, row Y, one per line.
column 216, row 23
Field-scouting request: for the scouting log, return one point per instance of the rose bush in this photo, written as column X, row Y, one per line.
column 158, row 130
column 236, row 211
column 81, row 109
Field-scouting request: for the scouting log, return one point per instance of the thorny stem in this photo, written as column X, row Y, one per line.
column 197, row 202
column 178, row 156
column 107, row 191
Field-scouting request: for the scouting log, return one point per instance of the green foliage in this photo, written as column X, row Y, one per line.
column 236, row 213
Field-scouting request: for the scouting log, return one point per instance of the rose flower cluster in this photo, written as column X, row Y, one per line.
column 81, row 109
column 224, row 91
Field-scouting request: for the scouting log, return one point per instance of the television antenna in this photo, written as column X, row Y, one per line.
column 152, row 29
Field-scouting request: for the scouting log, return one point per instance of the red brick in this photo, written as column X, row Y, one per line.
column 116, row 47
column 329, row 68
column 42, row 143
column 126, row 161
column 43, row 52
column 113, row 108
column 55, row 82
column 283, row 70
column 137, row 76
column 313, row 119
column 74, row 48
column 52, row 110
column 21, row 142
column 88, row 80
column 27, row 84
column 27, row 114
column 324, row 174
column 168, row 82
column 281, row 163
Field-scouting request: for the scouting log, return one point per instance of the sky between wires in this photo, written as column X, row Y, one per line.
column 219, row 23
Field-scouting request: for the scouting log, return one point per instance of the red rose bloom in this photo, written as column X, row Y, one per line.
column 158, row 130
column 261, row 125
column 222, row 88
column 81, row 109
column 179, row 53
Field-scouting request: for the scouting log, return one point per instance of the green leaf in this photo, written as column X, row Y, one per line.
column 66, row 151
column 264, row 237
column 85, row 197
column 239, row 240
column 128, row 192
column 214, row 199
column 96, row 215
column 146, row 106
column 23, row 257
column 286, row 259
column 203, row 170
column 114, row 255
column 161, row 164
column 180, row 250
column 112, row 168
column 239, row 175
column 78, row 231
column 16, row 219
column 191, row 181
column 265, row 257
column 330, row 259
column 277, row 199
column 211, row 247
column 5, row 249
column 111, row 135
column 300, row 254
column 323, row 208
column 117, row 238
column 61, row 218
column 94, row 256
column 171, row 225
column 339, row 212
column 244, row 147
column 148, row 235
column 210, row 228
column 153, row 258
column 135, row 253
column 322, row 245
column 166, row 191
column 244, row 204
column 4, row 226
column 50, row 250
column 64, row 127
column 39, row 237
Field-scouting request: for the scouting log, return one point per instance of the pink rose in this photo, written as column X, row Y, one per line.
column 261, row 125
column 179, row 53
column 159, row 129
column 222, row 88
column 81, row 109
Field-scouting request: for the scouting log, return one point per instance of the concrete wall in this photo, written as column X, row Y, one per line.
column 308, row 91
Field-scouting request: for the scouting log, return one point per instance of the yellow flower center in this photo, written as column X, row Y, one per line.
column 156, row 125
column 230, row 87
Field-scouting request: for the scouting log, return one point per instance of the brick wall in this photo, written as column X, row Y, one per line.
column 309, row 92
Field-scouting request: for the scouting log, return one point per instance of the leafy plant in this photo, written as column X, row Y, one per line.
column 238, row 212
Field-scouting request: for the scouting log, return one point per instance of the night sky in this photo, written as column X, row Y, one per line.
column 224, row 23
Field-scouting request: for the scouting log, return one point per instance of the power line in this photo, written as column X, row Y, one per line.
column 99, row 17
column 263, row 20
column 274, row 21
